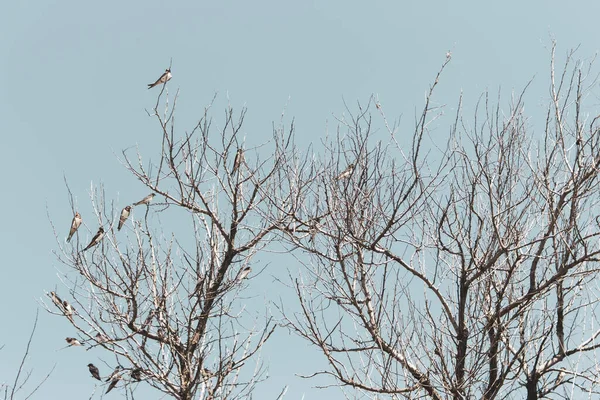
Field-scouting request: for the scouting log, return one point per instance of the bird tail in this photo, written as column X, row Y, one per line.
column 150, row 85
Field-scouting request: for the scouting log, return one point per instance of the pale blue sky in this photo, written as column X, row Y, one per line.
column 73, row 93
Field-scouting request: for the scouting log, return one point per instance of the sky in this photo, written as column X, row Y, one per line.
column 73, row 95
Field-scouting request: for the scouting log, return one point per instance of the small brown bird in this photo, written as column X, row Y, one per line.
column 72, row 341
column 243, row 274
column 239, row 159
column 96, row 239
column 57, row 301
column 163, row 78
column 68, row 310
column 124, row 215
column 346, row 173
column 146, row 200
column 113, row 383
column 100, row 338
column 74, row 225
column 94, row 371
column 114, row 374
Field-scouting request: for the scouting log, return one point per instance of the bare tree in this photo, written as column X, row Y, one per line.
column 166, row 300
column 461, row 269
column 23, row 375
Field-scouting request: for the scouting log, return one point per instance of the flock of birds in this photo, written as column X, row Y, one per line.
column 77, row 220
column 67, row 309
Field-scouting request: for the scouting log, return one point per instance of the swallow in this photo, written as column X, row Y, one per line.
column 197, row 288
column 94, row 371
column 100, row 338
column 146, row 200
column 116, row 371
column 243, row 274
column 74, row 225
column 163, row 78
column 124, row 215
column 113, row 383
column 239, row 159
column 68, row 310
column 96, row 239
column 72, row 341
column 56, row 300
column 346, row 173
column 136, row 374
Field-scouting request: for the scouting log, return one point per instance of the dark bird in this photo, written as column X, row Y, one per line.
column 145, row 200
column 346, row 173
column 243, row 274
column 239, row 159
column 124, row 215
column 136, row 374
column 74, row 225
column 113, row 383
column 163, row 78
column 72, row 341
column 68, row 310
column 116, row 371
column 94, row 371
column 96, row 239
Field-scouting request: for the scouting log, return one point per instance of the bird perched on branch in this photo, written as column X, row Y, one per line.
column 68, row 310
column 94, row 371
column 239, row 159
column 57, row 301
column 163, row 78
column 96, row 239
column 115, row 372
column 100, row 338
column 124, row 215
column 346, row 173
column 72, row 341
column 113, row 383
column 243, row 274
column 74, row 225
column 146, row 200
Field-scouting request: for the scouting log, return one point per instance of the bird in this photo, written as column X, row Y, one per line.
column 243, row 274
column 124, row 215
column 113, row 383
column 115, row 372
column 198, row 287
column 68, row 310
column 72, row 341
column 56, row 300
column 163, row 78
column 239, row 159
column 136, row 374
column 100, row 338
column 96, row 239
column 346, row 173
column 74, row 225
column 94, row 371
column 145, row 200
